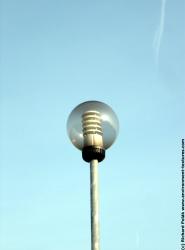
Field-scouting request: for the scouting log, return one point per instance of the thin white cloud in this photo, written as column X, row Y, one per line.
column 159, row 32
column 137, row 240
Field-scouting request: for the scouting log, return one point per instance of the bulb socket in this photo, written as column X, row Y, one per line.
column 90, row 153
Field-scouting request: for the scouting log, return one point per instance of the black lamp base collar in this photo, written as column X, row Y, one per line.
column 90, row 153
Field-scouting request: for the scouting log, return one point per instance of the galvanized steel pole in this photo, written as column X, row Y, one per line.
column 95, row 237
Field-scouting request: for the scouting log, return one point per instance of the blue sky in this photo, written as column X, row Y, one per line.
column 57, row 54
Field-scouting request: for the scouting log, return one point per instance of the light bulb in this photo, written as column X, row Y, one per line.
column 92, row 124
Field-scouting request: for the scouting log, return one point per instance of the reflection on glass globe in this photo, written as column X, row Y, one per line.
column 92, row 123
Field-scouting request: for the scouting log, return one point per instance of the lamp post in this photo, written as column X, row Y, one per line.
column 93, row 127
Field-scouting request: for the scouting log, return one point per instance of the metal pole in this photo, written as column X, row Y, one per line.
column 95, row 238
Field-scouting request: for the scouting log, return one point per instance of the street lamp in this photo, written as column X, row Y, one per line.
column 93, row 127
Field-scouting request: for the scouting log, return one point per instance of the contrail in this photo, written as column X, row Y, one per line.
column 137, row 240
column 159, row 32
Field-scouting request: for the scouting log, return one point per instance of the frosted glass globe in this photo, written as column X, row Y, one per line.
column 107, row 125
